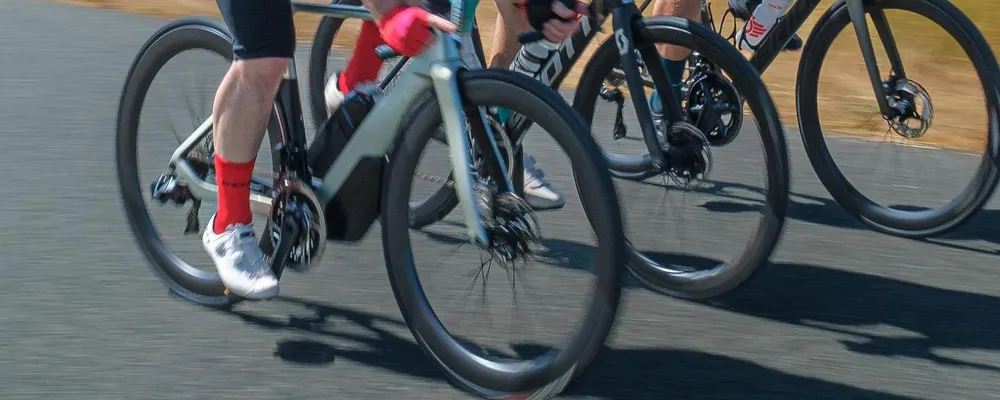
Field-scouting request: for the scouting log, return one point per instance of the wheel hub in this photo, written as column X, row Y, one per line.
column 689, row 155
column 513, row 231
column 912, row 110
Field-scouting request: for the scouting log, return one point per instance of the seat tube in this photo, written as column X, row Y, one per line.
column 293, row 134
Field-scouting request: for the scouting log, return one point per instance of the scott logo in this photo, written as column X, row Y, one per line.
column 553, row 68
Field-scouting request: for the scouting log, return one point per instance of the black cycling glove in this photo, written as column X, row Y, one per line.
column 540, row 11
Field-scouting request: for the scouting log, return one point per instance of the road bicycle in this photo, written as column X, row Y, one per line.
column 903, row 103
column 625, row 58
column 299, row 206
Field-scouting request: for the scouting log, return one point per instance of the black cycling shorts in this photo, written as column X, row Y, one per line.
column 260, row 28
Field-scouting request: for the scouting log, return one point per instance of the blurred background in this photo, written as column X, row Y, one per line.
column 930, row 49
column 841, row 312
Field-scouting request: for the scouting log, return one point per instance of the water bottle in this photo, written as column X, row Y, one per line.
column 760, row 23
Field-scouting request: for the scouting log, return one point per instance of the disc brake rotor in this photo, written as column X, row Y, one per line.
column 914, row 110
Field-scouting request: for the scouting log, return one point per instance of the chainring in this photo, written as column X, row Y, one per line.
column 709, row 94
column 295, row 199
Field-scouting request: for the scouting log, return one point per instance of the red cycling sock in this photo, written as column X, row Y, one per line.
column 364, row 63
column 233, row 181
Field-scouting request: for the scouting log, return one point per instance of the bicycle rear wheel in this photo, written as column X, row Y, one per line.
column 900, row 220
column 678, row 273
column 184, row 278
column 469, row 367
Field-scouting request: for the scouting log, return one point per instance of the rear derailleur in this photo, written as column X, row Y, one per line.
column 168, row 188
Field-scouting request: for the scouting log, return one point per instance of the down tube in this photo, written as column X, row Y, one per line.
column 377, row 132
column 775, row 40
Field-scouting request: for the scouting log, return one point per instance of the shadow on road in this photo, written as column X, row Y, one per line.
column 619, row 374
column 878, row 316
column 805, row 208
column 579, row 256
column 984, row 226
column 823, row 211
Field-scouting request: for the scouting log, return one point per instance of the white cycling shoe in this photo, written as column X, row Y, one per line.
column 240, row 262
column 537, row 191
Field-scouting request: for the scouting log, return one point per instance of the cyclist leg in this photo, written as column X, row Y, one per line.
column 674, row 57
column 364, row 64
column 743, row 9
column 511, row 21
column 264, row 40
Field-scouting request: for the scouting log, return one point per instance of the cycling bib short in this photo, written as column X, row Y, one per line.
column 264, row 28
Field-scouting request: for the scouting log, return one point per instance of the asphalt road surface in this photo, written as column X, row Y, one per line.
column 841, row 313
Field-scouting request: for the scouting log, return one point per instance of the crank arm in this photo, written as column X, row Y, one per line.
column 290, row 230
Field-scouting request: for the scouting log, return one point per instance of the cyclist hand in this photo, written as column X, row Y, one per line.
column 406, row 29
column 553, row 18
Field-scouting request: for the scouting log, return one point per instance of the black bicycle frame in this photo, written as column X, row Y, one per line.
column 292, row 149
column 776, row 39
column 627, row 17
column 559, row 64
column 779, row 35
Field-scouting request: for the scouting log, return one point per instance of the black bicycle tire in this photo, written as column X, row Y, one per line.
column 175, row 37
column 879, row 218
column 518, row 92
column 765, row 239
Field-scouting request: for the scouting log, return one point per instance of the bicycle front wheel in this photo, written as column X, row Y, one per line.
column 935, row 114
column 727, row 82
column 592, row 280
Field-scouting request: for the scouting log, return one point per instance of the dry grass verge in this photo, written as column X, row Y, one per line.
column 845, row 95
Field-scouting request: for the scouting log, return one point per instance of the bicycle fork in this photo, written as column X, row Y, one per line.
column 627, row 18
column 444, row 77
